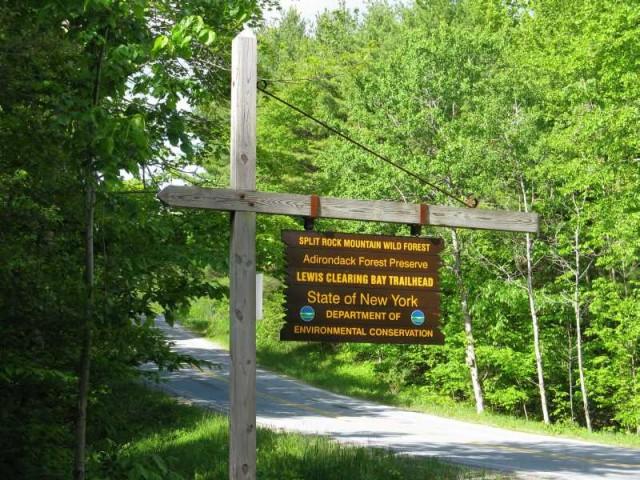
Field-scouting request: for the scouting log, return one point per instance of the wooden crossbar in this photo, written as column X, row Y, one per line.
column 347, row 209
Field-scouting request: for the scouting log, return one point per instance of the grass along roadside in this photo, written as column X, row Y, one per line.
column 341, row 371
column 154, row 436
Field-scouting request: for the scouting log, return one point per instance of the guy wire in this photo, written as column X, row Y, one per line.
column 262, row 87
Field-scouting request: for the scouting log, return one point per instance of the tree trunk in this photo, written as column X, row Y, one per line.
column 578, row 316
column 634, row 375
column 534, row 315
column 573, row 413
column 84, row 367
column 85, row 354
column 468, row 329
column 536, row 335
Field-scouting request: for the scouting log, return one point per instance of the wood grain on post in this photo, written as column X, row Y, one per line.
column 347, row 209
column 242, row 262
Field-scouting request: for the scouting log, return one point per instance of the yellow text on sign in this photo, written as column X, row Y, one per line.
column 420, row 281
column 362, row 298
column 363, row 261
column 365, row 244
column 372, row 331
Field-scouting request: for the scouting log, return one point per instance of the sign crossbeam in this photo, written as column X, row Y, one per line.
column 347, row 209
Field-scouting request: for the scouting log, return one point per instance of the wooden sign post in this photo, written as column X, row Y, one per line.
column 242, row 261
column 243, row 201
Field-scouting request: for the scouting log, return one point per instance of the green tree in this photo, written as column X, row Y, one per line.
column 92, row 89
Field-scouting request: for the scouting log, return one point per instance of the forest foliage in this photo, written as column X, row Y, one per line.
column 525, row 105
column 90, row 95
column 519, row 102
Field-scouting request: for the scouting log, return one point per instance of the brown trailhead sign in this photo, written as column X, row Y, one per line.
column 362, row 288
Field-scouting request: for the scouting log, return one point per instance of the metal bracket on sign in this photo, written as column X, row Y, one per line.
column 314, row 212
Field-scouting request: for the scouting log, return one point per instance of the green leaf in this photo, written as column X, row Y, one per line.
column 185, row 41
column 207, row 36
column 160, row 44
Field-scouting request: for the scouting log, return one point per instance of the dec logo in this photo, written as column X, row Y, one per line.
column 307, row 313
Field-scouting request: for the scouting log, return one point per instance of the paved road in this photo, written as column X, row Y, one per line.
column 283, row 403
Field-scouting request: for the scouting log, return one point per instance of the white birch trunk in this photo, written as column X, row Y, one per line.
column 534, row 315
column 578, row 316
column 468, row 327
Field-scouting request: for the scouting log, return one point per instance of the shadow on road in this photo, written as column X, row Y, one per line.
column 286, row 404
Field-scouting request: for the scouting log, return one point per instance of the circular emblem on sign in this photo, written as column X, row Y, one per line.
column 307, row 313
column 417, row 317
